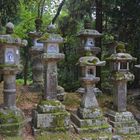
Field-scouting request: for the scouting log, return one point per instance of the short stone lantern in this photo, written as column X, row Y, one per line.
column 9, row 67
column 120, row 118
column 89, row 117
column 51, row 114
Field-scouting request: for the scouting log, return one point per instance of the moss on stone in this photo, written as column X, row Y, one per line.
column 120, row 47
column 50, row 102
column 50, row 36
column 59, row 119
column 122, row 76
column 8, row 65
column 10, row 122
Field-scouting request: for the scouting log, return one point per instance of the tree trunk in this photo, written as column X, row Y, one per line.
column 99, row 28
column 26, row 51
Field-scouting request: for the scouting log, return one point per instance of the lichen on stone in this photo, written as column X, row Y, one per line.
column 91, row 61
column 118, row 76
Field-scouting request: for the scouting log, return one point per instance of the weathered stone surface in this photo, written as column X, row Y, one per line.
column 46, row 108
column 96, row 124
column 51, row 115
column 89, row 99
column 37, row 69
column 123, row 122
column 60, row 93
column 120, row 93
column 9, row 90
column 103, row 138
column 86, row 113
column 88, row 122
column 51, row 120
column 51, row 80
column 117, row 137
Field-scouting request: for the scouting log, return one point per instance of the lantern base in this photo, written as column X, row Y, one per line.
column 51, row 116
column 123, row 122
column 94, row 121
column 12, row 121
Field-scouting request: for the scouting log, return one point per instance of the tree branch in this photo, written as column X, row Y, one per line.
column 58, row 11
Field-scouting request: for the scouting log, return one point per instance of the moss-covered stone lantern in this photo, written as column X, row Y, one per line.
column 51, row 114
column 120, row 76
column 10, row 115
column 89, row 117
column 122, row 120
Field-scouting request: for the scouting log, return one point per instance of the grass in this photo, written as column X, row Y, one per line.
column 72, row 101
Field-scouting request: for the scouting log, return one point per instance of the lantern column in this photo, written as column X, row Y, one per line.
column 37, row 65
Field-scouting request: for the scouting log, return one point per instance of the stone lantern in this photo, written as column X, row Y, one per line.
column 89, row 117
column 9, row 67
column 51, row 114
column 37, row 65
column 122, row 120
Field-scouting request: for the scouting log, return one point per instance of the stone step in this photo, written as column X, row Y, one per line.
column 93, row 129
column 51, row 120
column 88, row 122
column 124, row 124
column 50, row 106
column 85, row 113
column 127, row 130
column 120, row 116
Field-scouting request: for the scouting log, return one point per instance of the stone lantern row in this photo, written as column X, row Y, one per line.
column 51, row 114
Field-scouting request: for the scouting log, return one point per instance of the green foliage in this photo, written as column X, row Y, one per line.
column 26, row 21
column 21, row 81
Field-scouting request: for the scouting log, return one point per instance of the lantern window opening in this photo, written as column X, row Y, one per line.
column 123, row 66
column 91, row 72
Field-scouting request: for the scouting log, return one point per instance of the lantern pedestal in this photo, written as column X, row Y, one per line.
column 12, row 121
column 123, row 122
column 89, row 117
column 51, row 116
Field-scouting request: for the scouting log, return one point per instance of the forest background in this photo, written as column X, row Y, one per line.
column 117, row 20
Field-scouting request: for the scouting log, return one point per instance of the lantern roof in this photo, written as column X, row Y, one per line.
column 121, row 57
column 137, row 66
column 89, row 32
column 51, row 36
column 10, row 37
column 91, row 61
column 35, row 34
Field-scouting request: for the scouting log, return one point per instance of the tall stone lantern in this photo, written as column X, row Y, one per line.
column 122, row 120
column 9, row 67
column 51, row 114
column 37, row 65
column 89, row 117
